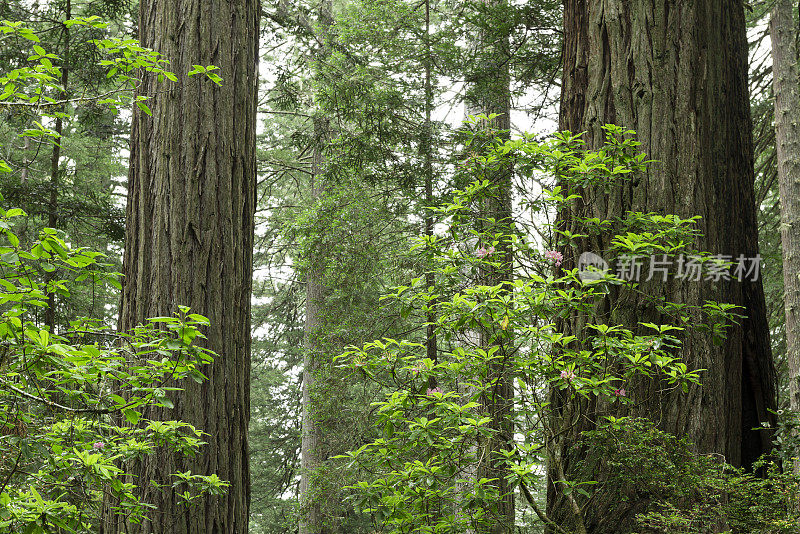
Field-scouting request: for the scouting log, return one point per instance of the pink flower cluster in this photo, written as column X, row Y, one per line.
column 619, row 392
column 567, row 374
column 431, row 391
column 555, row 256
column 99, row 445
column 483, row 252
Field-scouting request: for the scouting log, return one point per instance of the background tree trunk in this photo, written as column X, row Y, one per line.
column 786, row 84
column 426, row 147
column 490, row 93
column 676, row 73
column 311, row 514
column 313, row 455
column 55, row 166
column 191, row 201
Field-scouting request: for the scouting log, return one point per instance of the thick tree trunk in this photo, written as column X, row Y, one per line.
column 676, row 72
column 490, row 93
column 191, row 202
column 786, row 84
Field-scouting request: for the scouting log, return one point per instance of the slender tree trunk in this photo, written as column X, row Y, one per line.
column 26, row 146
column 490, row 93
column 427, row 150
column 675, row 72
column 189, row 240
column 312, row 516
column 55, row 167
column 786, row 84
column 312, row 513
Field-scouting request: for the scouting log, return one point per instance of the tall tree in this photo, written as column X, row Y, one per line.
column 786, row 86
column 311, row 517
column 189, row 242
column 55, row 170
column 677, row 75
column 489, row 93
column 311, row 514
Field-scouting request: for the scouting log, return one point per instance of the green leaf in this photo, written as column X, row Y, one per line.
column 198, row 69
column 131, row 415
column 144, row 108
column 15, row 212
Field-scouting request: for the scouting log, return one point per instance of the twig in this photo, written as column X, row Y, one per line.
column 543, row 516
column 52, row 404
column 62, row 102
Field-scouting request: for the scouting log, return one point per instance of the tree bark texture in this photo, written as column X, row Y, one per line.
column 786, row 85
column 189, row 241
column 676, row 73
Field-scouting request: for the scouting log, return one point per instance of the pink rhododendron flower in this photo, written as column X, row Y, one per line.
column 483, row 252
column 619, row 392
column 431, row 391
column 567, row 374
column 555, row 256
column 471, row 156
column 99, row 445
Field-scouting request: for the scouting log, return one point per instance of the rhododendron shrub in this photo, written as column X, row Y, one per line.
column 73, row 399
column 421, row 473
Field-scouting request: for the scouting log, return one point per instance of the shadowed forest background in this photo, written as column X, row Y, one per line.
column 390, row 266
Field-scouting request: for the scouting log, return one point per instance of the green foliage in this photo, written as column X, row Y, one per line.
column 670, row 488
column 76, row 399
column 61, row 133
column 73, row 400
column 38, row 84
column 432, row 440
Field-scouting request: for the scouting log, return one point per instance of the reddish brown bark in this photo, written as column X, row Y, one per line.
column 676, row 73
column 191, row 201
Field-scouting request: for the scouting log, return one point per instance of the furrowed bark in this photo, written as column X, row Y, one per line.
column 676, row 73
column 786, row 85
column 189, row 240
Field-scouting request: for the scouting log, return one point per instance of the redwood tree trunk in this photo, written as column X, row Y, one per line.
column 676, row 73
column 786, row 84
column 189, row 240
